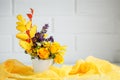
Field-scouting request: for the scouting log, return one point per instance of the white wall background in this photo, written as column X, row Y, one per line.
column 87, row 27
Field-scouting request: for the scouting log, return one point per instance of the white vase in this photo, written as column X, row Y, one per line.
column 41, row 65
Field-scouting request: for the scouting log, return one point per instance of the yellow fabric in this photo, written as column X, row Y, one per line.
column 90, row 69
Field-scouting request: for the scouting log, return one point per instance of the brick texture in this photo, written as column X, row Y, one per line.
column 86, row 27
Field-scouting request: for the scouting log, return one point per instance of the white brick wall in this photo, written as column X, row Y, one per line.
column 87, row 27
column 98, row 7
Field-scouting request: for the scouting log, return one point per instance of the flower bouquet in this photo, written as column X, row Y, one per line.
column 38, row 45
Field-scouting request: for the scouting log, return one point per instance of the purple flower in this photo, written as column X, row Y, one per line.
column 37, row 35
column 45, row 26
column 51, row 39
column 34, row 39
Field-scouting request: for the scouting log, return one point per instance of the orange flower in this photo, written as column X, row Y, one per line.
column 43, row 53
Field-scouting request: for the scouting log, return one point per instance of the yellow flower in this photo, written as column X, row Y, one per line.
column 21, row 19
column 43, row 53
column 46, row 44
column 58, row 59
column 22, row 25
column 27, row 31
column 45, row 35
column 25, row 45
column 61, row 53
column 55, row 47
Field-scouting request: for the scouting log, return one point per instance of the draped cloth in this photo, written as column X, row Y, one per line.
column 91, row 68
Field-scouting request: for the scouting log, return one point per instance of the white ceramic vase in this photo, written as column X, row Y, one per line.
column 41, row 65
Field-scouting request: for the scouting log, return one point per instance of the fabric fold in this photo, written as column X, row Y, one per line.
column 91, row 68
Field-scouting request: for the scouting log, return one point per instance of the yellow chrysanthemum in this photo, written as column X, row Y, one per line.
column 61, row 53
column 43, row 53
column 55, row 47
column 46, row 44
column 58, row 59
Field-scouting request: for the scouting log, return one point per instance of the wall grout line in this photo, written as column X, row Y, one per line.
column 13, row 44
column 53, row 25
column 75, row 7
column 75, row 38
column 12, row 2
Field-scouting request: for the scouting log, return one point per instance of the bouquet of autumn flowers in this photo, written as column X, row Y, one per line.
column 38, row 44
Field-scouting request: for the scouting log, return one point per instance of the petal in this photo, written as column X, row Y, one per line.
column 28, row 25
column 22, row 36
column 21, row 28
column 25, row 45
column 33, row 31
column 32, row 11
column 29, row 16
column 23, row 21
column 19, row 23
column 19, row 17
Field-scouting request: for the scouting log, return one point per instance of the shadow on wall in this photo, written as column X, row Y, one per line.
column 116, row 57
